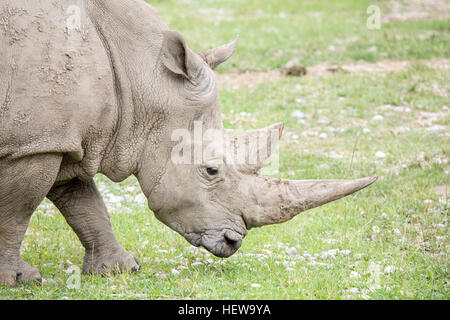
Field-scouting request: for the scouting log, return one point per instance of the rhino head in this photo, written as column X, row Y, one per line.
column 213, row 200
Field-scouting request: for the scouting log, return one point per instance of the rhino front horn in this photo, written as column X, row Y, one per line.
column 281, row 200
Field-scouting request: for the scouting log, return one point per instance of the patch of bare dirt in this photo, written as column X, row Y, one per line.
column 252, row 78
column 381, row 66
column 414, row 10
column 247, row 78
column 442, row 190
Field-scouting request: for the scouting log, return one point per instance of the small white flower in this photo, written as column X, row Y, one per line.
column 256, row 285
column 140, row 198
column 402, row 109
column 292, row 135
column 377, row 118
column 354, row 275
column 353, row 290
column 307, row 256
column 323, row 135
column 291, row 251
column 436, row 129
column 380, row 155
column 397, row 231
column 376, row 229
column 389, row 269
column 298, row 114
column 290, row 269
column 333, row 252
column 196, row 263
column 175, row 271
column 323, row 120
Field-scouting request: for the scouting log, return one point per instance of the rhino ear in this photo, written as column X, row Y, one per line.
column 177, row 57
column 215, row 57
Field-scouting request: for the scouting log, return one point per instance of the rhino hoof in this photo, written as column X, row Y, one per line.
column 8, row 278
column 113, row 262
column 25, row 273
column 32, row 276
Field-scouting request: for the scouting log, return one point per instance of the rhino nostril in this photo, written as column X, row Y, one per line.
column 232, row 240
column 231, row 243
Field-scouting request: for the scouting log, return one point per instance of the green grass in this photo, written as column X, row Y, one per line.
column 274, row 32
column 398, row 226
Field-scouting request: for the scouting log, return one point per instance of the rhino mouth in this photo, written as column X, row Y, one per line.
column 222, row 244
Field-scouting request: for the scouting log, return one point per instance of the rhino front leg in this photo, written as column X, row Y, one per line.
column 83, row 208
column 23, row 185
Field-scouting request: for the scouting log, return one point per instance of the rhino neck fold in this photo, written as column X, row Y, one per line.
column 130, row 36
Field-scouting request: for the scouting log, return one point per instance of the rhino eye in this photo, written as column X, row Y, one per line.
column 212, row 171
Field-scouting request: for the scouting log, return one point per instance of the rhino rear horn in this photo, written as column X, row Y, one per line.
column 215, row 57
column 258, row 145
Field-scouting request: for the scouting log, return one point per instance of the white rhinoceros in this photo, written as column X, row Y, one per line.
column 99, row 86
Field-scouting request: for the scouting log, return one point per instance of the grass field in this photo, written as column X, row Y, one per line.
column 389, row 241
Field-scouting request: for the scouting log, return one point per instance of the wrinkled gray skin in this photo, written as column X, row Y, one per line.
column 105, row 98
